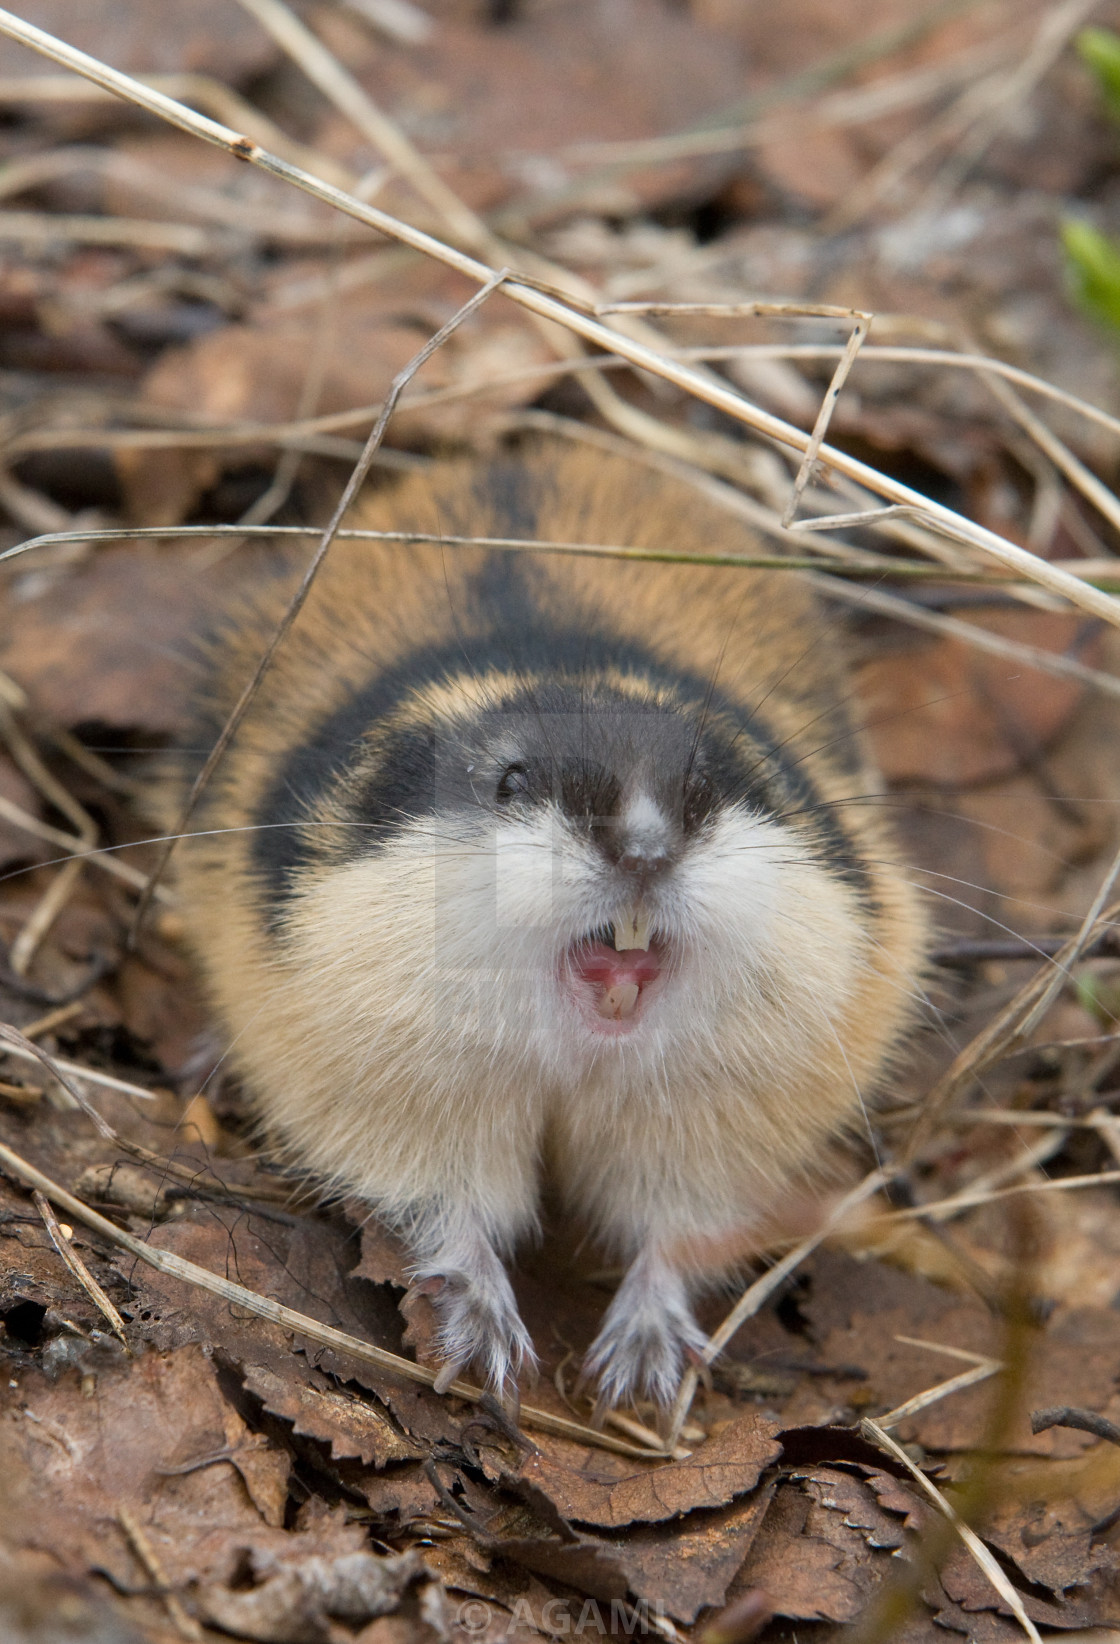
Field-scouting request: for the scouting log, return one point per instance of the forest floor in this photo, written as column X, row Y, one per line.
column 187, row 340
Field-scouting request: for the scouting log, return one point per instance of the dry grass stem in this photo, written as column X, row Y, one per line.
column 210, row 95
column 309, row 429
column 824, row 415
column 1057, row 27
column 136, row 177
column 59, row 1066
column 80, row 1271
column 1107, row 1126
column 856, row 562
column 982, row 108
column 1075, row 471
column 1008, row 1116
column 641, row 1434
column 987, row 1562
column 341, row 89
column 38, row 229
column 942, row 1390
column 1003, row 1035
column 944, row 1209
column 55, row 1018
column 97, row 856
column 980, row 639
column 982, row 1367
column 50, row 905
column 641, row 354
column 847, row 108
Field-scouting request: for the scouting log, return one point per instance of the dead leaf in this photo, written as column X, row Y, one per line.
column 352, row 1427
column 688, row 1566
column 157, row 1437
column 294, row 1599
column 352, row 343
column 584, row 73
column 806, row 1576
column 941, row 712
column 611, row 1492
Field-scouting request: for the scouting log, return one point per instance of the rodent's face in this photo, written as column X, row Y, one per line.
column 608, row 797
column 574, row 867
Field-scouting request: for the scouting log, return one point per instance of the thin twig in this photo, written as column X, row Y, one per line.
column 72, row 1070
column 824, row 415
column 1069, row 1415
column 80, row 849
column 50, row 905
column 1017, row 1019
column 943, row 1209
column 305, row 429
column 80, row 1271
column 340, row 87
column 982, row 1368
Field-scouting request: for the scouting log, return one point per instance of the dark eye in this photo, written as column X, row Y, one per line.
column 513, row 783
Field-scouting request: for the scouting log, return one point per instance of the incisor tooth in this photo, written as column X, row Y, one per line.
column 618, row 1002
column 631, row 929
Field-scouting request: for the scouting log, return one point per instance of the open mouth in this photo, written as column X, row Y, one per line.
column 614, row 965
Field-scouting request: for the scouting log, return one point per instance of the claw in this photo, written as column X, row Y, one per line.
column 431, row 1286
column 604, row 1404
column 479, row 1324
column 447, row 1374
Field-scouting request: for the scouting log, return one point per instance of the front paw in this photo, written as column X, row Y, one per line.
column 641, row 1350
column 479, row 1325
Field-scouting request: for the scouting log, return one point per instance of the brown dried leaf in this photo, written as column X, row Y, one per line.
column 41, row 1605
column 397, row 1497
column 350, row 344
column 107, row 641
column 158, row 1438
column 686, row 1567
column 809, row 1564
column 1050, row 1542
column 583, row 72
column 967, row 1585
column 851, row 1497
column 609, row 1491
column 295, row 1598
column 352, row 1427
column 384, row 1258
column 941, row 712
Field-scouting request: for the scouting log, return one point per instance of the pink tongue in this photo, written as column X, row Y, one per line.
column 617, row 978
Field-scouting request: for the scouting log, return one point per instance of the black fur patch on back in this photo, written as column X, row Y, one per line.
column 502, row 628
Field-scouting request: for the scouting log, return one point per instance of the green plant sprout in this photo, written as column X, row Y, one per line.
column 1100, row 50
column 1093, row 258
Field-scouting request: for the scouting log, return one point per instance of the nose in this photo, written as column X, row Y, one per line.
column 643, row 840
column 644, row 862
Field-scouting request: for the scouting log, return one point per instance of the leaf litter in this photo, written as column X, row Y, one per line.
column 229, row 1476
